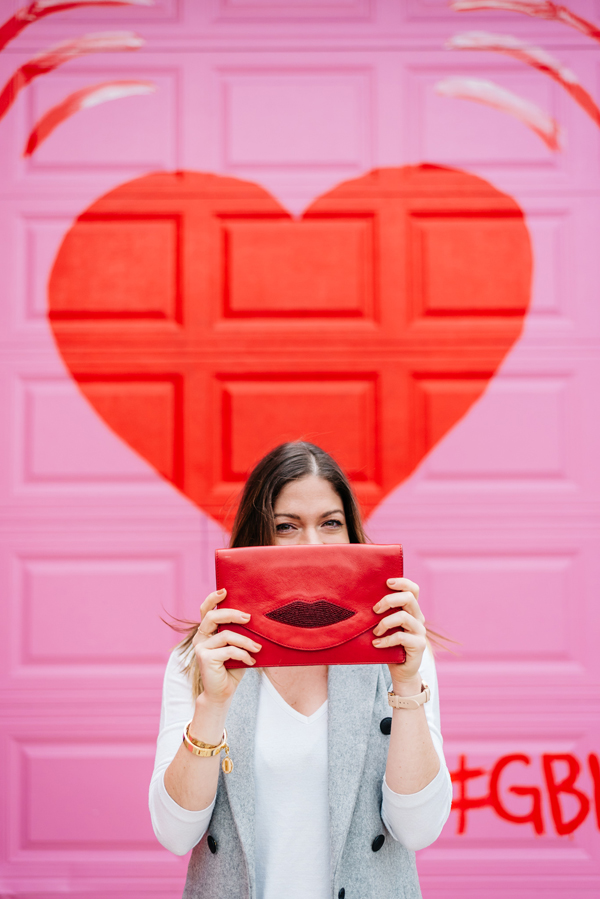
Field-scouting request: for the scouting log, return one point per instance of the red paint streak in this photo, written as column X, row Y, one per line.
column 534, row 816
column 50, row 59
column 533, row 56
column 497, row 97
column 35, row 11
column 595, row 772
column 463, row 803
column 83, row 99
column 542, row 10
column 566, row 786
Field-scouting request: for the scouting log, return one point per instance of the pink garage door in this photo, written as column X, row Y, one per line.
column 437, row 328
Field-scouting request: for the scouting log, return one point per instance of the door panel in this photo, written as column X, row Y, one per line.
column 393, row 334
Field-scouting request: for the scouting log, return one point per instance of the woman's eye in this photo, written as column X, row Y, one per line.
column 284, row 528
column 332, row 523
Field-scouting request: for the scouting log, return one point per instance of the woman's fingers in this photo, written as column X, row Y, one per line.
column 211, row 617
column 412, row 636
column 226, row 645
column 405, row 599
column 224, row 616
column 400, row 619
column 403, row 583
column 229, row 638
column 411, row 642
column 212, row 600
column 232, row 652
column 215, row 617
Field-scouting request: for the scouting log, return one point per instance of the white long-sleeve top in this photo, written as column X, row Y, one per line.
column 290, row 767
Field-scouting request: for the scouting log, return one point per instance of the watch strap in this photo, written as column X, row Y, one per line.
column 410, row 702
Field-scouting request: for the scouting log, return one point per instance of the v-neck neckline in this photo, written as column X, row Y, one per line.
column 278, row 698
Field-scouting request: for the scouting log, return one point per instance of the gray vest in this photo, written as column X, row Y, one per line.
column 357, row 753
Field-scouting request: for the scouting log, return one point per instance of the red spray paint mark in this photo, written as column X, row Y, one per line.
column 491, row 94
column 464, row 804
column 595, row 772
column 36, row 11
column 551, row 11
column 534, row 816
column 50, row 59
column 533, row 56
column 565, row 786
column 83, row 99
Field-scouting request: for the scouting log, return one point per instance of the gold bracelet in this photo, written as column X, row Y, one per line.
column 206, row 750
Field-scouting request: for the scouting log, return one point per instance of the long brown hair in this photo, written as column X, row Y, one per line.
column 254, row 523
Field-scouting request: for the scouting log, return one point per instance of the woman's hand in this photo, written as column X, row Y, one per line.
column 213, row 648
column 407, row 615
column 191, row 781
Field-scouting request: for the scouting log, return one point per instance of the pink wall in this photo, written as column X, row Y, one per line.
column 499, row 521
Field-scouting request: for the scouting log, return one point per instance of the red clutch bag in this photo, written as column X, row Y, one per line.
column 310, row 605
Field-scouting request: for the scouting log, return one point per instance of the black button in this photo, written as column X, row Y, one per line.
column 212, row 844
column 341, row 893
column 378, row 843
column 386, row 726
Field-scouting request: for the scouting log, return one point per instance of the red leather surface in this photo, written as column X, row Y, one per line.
column 349, row 578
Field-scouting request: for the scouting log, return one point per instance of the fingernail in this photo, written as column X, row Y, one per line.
column 257, row 646
column 253, row 662
column 376, row 642
column 391, row 582
column 221, row 591
column 376, row 608
column 245, row 616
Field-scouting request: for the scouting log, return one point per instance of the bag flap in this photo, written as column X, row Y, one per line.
column 308, row 597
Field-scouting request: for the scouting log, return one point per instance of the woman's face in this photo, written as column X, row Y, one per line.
column 309, row 511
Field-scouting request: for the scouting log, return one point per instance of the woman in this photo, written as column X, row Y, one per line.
column 323, row 801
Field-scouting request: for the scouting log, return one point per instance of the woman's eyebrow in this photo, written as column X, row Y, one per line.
column 297, row 517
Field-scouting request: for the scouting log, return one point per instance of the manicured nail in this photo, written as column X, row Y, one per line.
column 221, row 591
column 257, row 646
column 376, row 608
column 245, row 616
column 391, row 582
column 376, row 642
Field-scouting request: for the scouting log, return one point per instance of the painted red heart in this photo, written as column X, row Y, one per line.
column 205, row 325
